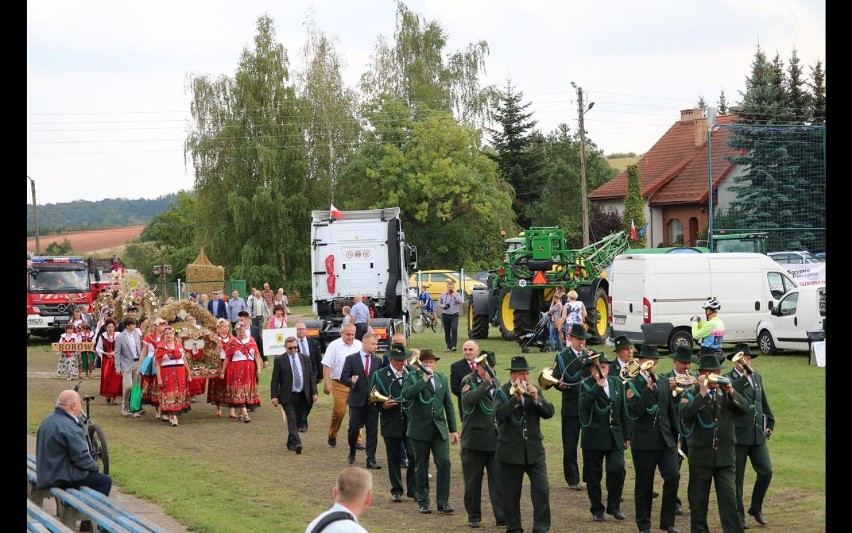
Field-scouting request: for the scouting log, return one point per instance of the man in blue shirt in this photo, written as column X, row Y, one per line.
column 235, row 305
column 360, row 317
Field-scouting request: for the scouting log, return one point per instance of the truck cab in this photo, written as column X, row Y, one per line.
column 55, row 286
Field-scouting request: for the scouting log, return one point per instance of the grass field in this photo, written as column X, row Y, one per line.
column 217, row 475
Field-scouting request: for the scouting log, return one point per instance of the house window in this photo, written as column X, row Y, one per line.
column 675, row 232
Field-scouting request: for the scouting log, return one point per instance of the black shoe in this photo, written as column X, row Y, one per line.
column 371, row 464
column 424, row 509
column 670, row 529
column 290, row 446
column 758, row 516
column 403, row 464
column 599, row 517
column 617, row 514
column 396, row 498
column 360, row 446
column 474, row 524
column 351, row 457
column 678, row 510
column 645, row 531
column 501, row 523
column 446, row 509
column 654, row 494
column 332, row 442
column 298, row 449
column 574, row 486
column 746, row 526
column 303, row 428
column 410, row 495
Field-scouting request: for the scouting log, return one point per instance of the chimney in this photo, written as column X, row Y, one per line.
column 696, row 117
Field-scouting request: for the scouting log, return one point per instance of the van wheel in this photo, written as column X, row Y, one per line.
column 765, row 343
column 680, row 337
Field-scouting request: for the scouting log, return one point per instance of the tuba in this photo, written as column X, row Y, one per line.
column 546, row 379
column 415, row 362
column 738, row 358
column 629, row 370
column 376, row 396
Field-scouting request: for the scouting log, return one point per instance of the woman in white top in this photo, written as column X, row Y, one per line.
column 216, row 386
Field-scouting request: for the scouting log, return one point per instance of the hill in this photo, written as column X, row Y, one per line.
column 85, row 215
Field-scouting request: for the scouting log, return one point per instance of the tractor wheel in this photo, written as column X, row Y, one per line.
column 506, row 317
column 477, row 325
column 597, row 318
column 524, row 321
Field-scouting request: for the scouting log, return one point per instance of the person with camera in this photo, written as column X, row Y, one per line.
column 709, row 333
column 449, row 302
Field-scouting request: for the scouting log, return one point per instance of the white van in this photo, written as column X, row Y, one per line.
column 652, row 296
column 786, row 327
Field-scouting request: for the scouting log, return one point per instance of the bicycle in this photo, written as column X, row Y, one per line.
column 425, row 320
column 94, row 434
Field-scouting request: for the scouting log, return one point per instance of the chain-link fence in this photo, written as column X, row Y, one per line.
column 181, row 289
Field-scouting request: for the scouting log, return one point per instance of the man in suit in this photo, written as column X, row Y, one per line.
column 602, row 439
column 519, row 407
column 708, row 419
column 394, row 421
column 653, row 442
column 431, row 429
column 311, row 348
column 479, row 442
column 293, row 386
column 461, row 368
column 217, row 305
column 570, row 371
column 357, row 373
column 752, row 430
column 128, row 346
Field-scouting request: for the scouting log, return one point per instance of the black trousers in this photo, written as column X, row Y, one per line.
column 645, row 464
column 451, row 326
column 393, row 448
column 512, row 477
column 369, row 419
column 474, row 465
column 570, row 439
column 698, row 491
column 593, row 468
column 295, row 410
column 95, row 480
column 360, row 330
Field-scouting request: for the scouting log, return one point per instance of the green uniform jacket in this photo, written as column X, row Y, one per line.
column 749, row 427
column 681, row 398
column 652, row 414
column 708, row 425
column 428, row 409
column 601, row 415
column 392, row 420
column 626, row 422
column 479, row 431
column 571, row 371
column 519, row 438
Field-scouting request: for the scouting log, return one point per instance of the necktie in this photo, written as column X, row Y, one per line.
column 367, row 364
column 473, row 366
column 297, row 374
column 304, row 347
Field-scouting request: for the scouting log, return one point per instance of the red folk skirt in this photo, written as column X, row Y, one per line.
column 241, row 384
column 110, row 381
column 174, row 393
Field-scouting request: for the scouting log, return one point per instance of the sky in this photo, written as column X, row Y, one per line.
column 108, row 109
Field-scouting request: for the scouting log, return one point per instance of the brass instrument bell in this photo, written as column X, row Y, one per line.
column 738, row 358
column 415, row 361
column 376, row 396
column 546, row 379
column 482, row 360
column 718, row 379
column 682, row 382
column 629, row 370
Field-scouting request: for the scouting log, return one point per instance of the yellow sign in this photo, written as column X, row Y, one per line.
column 73, row 346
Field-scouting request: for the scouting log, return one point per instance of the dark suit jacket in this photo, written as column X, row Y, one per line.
column 281, row 386
column 478, row 429
column 393, row 421
column 222, row 311
column 315, row 355
column 749, row 427
column 567, row 367
column 654, row 426
column 258, row 339
column 519, row 438
column 353, row 365
column 601, row 415
column 458, row 371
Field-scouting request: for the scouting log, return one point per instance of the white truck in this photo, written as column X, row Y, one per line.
column 653, row 296
column 360, row 252
column 797, row 320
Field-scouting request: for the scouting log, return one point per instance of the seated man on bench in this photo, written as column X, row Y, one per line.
column 62, row 450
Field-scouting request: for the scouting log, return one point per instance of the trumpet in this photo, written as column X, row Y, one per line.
column 482, row 360
column 519, row 386
column 376, row 396
column 682, row 382
column 738, row 358
column 647, row 366
column 716, row 378
column 629, row 370
column 595, row 356
column 546, row 379
column 415, row 362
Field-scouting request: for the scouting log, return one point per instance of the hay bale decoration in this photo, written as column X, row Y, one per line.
column 204, row 277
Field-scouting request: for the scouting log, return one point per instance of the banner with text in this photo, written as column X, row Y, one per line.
column 273, row 340
column 807, row 274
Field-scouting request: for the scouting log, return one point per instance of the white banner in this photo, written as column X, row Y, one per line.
column 273, row 340
column 807, row 274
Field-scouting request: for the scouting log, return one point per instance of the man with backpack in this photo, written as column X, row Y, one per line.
column 352, row 493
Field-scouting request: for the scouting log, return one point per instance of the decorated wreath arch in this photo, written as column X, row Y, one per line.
column 199, row 342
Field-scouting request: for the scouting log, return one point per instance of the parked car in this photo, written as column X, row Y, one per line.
column 820, row 256
column 793, row 258
column 481, row 276
column 435, row 282
column 787, row 326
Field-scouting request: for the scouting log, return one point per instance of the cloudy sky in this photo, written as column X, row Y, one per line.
column 108, row 110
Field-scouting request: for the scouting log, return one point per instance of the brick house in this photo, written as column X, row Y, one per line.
column 674, row 178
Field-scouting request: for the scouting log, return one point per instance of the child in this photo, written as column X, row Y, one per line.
column 69, row 361
column 87, row 335
column 347, row 317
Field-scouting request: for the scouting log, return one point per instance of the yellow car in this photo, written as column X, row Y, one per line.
column 435, row 282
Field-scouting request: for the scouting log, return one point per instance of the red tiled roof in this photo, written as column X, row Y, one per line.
column 674, row 170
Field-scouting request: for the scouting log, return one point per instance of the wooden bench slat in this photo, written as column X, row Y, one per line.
column 66, row 501
column 45, row 520
column 146, row 525
column 116, row 513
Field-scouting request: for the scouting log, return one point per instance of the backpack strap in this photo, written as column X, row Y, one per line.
column 329, row 518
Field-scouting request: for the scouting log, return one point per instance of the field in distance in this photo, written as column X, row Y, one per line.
column 86, row 242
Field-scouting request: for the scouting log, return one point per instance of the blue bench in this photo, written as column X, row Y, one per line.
column 76, row 505
column 40, row 521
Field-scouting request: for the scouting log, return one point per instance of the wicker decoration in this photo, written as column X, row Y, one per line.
column 203, row 361
column 134, row 291
column 204, row 277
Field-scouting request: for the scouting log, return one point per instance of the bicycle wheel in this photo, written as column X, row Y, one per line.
column 97, row 441
column 435, row 324
column 418, row 325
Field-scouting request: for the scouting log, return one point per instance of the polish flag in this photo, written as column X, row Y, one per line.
column 335, row 213
column 633, row 230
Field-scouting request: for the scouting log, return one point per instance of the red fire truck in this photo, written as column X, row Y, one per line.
column 55, row 286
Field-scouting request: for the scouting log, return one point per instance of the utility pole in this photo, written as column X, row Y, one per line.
column 35, row 216
column 583, row 186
